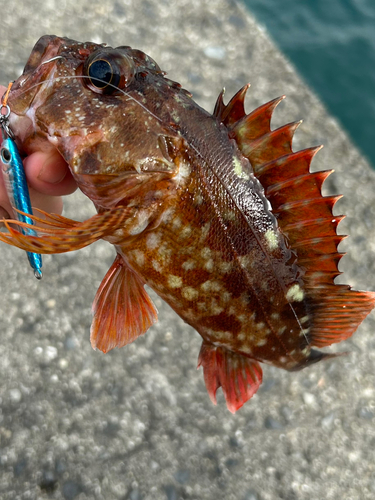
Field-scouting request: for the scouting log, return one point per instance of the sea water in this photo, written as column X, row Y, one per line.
column 332, row 45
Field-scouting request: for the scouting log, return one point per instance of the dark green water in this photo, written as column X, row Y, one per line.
column 332, row 45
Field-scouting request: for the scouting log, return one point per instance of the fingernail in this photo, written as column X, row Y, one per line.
column 52, row 171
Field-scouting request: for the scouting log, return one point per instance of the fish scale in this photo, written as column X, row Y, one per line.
column 216, row 213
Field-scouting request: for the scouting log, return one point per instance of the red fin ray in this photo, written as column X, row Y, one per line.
column 318, row 246
column 122, row 308
column 257, row 123
column 239, row 377
column 219, row 105
column 306, row 218
column 324, row 262
column 286, row 167
column 48, row 219
column 324, row 226
column 270, row 146
column 321, row 278
column 322, row 269
column 337, row 312
column 235, row 110
column 66, row 234
column 301, row 210
column 299, row 188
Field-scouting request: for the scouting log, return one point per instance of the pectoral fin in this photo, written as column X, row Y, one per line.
column 239, row 376
column 122, row 308
column 60, row 235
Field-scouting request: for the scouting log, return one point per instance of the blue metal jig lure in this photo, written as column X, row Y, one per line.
column 16, row 184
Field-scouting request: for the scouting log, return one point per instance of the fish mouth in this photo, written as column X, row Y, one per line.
column 29, row 91
column 28, row 141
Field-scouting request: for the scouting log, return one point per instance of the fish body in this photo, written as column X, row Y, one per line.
column 214, row 212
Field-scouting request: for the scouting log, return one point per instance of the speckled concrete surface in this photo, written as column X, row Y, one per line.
column 137, row 423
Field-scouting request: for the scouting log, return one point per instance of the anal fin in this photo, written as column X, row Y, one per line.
column 122, row 308
column 239, row 376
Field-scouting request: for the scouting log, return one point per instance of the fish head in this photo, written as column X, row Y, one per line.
column 100, row 107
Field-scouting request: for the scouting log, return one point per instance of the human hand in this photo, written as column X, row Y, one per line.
column 49, row 179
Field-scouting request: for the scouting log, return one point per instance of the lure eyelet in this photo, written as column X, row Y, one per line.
column 107, row 71
column 5, row 155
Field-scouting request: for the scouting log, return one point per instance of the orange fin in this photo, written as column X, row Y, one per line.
column 62, row 234
column 239, row 377
column 337, row 312
column 122, row 308
column 234, row 110
column 304, row 216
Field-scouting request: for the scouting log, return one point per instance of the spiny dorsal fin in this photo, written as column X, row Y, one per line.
column 304, row 216
column 234, row 110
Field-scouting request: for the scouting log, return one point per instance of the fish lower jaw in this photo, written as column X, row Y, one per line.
column 22, row 126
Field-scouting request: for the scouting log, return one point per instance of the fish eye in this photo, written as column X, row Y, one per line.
column 107, row 71
column 101, row 74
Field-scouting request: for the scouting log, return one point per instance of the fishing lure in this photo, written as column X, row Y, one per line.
column 16, row 185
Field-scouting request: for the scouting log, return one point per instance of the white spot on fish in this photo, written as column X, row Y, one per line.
column 142, row 222
column 185, row 232
column 153, row 240
column 295, row 293
column 176, row 223
column 206, row 252
column 209, row 265
column 246, row 261
column 225, row 267
column 230, row 215
column 174, row 281
column 224, row 335
column 216, row 309
column 261, row 342
column 157, row 266
column 138, row 256
column 281, row 330
column 165, row 253
column 211, row 286
column 204, row 231
column 188, row 265
column 304, row 332
column 238, row 170
column 246, row 349
column 189, row 293
column 184, row 170
column 272, row 239
column 198, row 199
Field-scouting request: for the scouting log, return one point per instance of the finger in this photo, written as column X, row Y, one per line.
column 50, row 204
column 49, row 174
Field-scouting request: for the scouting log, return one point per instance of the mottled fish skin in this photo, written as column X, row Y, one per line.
column 214, row 223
